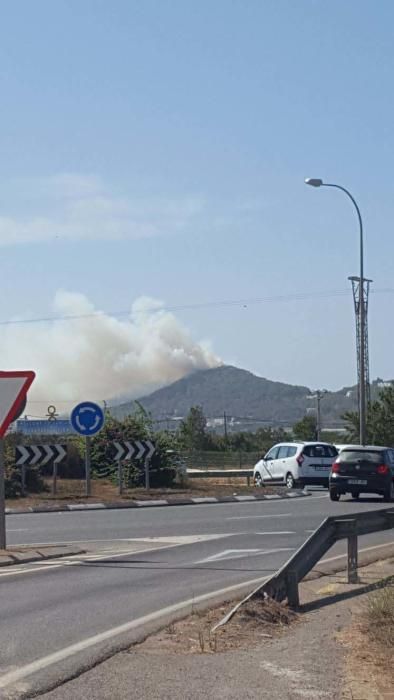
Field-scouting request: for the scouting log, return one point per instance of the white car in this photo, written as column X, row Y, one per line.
column 296, row 464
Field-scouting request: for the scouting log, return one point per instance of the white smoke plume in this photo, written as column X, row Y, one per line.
column 99, row 357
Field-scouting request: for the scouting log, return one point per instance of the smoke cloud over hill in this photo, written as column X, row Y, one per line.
column 97, row 356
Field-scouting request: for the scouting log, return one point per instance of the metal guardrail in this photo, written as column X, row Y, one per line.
column 284, row 584
column 220, row 474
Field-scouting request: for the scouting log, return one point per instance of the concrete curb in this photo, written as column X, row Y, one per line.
column 26, row 554
column 154, row 503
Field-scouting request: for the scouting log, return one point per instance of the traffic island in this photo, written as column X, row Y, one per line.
column 106, row 497
column 26, row 555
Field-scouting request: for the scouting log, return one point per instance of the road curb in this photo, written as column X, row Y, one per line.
column 27, row 555
column 155, row 503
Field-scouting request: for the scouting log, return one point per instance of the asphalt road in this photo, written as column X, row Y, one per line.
column 138, row 562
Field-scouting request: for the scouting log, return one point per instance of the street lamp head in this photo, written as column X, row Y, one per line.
column 313, row 181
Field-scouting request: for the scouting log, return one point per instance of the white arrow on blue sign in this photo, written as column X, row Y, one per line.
column 87, row 418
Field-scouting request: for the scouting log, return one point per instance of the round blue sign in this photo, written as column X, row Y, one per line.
column 87, row 418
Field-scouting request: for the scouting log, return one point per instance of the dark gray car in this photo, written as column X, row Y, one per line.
column 359, row 469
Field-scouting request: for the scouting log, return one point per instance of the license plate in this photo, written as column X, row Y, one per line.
column 322, row 468
column 358, row 482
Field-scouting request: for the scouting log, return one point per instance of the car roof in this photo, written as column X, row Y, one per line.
column 362, row 448
column 301, row 443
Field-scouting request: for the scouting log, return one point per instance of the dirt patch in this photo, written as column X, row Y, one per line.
column 256, row 622
column 72, row 490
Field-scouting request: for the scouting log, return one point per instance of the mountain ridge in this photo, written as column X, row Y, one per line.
column 242, row 395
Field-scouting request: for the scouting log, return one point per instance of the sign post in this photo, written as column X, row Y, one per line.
column 120, row 477
column 3, row 542
column 54, row 478
column 87, row 465
column 147, row 474
column 13, row 389
column 87, row 419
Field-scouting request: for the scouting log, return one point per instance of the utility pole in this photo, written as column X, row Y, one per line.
column 318, row 395
column 360, row 299
column 225, row 426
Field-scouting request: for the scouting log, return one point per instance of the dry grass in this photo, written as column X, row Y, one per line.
column 266, row 612
column 379, row 616
column 256, row 622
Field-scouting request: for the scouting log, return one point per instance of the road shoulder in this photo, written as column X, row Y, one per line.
column 316, row 657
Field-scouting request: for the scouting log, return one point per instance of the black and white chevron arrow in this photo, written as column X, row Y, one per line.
column 30, row 455
column 133, row 449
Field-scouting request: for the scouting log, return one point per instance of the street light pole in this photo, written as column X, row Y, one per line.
column 314, row 182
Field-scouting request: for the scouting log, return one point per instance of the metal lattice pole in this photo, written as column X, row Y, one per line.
column 362, row 351
column 361, row 315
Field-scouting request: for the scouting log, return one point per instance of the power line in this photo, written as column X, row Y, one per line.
column 303, row 296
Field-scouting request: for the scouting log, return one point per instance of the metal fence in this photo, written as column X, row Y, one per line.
column 219, row 460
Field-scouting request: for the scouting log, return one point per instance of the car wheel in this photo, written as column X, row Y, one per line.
column 356, row 495
column 334, row 495
column 290, row 481
column 389, row 494
column 258, row 481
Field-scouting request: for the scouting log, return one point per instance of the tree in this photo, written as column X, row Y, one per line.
column 305, row 429
column 193, row 433
column 380, row 420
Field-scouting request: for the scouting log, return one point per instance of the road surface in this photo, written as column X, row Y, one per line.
column 59, row 618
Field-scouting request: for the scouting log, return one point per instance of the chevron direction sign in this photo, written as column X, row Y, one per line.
column 30, row 455
column 133, row 449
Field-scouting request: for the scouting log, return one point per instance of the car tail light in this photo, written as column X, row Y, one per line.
column 382, row 469
column 300, row 459
column 336, row 467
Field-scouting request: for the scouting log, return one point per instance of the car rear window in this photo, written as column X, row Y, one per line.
column 347, row 456
column 317, row 451
column 331, row 451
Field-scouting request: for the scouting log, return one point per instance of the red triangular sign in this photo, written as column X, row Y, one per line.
column 13, row 389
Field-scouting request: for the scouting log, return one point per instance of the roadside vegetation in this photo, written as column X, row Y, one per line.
column 191, row 441
column 379, row 617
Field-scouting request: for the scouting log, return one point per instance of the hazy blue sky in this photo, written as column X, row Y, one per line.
column 159, row 148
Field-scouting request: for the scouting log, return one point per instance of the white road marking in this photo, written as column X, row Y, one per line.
column 80, row 559
column 181, row 539
column 364, row 549
column 253, row 517
column 240, row 553
column 19, row 674
column 283, row 532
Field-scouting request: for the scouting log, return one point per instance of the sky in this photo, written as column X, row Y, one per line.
column 153, row 156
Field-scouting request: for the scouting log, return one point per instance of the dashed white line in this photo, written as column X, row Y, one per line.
column 253, row 517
